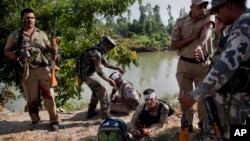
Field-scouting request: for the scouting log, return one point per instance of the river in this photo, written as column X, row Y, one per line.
column 156, row 70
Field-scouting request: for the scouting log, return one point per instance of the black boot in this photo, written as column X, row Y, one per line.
column 190, row 128
column 91, row 113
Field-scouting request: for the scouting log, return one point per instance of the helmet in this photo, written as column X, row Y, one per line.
column 216, row 3
column 108, row 41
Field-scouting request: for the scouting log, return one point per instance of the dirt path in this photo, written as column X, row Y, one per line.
column 14, row 126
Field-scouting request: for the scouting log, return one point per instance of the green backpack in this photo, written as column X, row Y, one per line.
column 113, row 129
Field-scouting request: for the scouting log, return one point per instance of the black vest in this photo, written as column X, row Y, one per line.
column 147, row 119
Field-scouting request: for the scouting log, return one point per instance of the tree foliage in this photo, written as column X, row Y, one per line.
column 81, row 23
column 76, row 29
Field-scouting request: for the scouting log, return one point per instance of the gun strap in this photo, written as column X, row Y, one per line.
column 19, row 36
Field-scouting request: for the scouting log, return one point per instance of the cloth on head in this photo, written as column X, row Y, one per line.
column 115, row 76
column 149, row 96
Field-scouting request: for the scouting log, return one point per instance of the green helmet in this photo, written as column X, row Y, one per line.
column 108, row 41
column 216, row 3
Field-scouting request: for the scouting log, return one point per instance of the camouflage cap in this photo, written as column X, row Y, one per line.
column 215, row 4
column 109, row 41
column 198, row 2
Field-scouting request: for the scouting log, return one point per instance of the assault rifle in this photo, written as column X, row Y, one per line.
column 18, row 64
column 53, row 66
column 79, row 75
column 212, row 114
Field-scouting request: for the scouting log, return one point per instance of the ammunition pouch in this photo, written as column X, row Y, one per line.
column 84, row 65
column 36, row 56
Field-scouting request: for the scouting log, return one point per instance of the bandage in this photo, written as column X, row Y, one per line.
column 115, row 76
column 149, row 96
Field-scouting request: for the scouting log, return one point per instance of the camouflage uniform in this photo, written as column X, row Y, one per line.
column 234, row 101
column 95, row 60
column 189, row 72
column 37, row 74
column 126, row 100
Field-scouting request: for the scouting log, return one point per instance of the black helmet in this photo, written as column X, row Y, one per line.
column 108, row 41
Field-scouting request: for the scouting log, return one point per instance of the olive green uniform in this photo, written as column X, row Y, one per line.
column 95, row 62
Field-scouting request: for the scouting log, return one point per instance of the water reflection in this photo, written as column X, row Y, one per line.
column 157, row 70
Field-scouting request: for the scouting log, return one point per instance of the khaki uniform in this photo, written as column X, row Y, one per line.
column 36, row 75
column 189, row 73
column 127, row 99
column 136, row 116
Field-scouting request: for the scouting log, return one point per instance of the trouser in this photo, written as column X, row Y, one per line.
column 99, row 92
column 189, row 74
column 39, row 79
column 236, row 114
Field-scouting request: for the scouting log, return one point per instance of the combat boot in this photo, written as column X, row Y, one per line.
column 106, row 115
column 91, row 113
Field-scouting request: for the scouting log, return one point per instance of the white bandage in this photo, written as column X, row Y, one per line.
column 115, row 76
column 149, row 96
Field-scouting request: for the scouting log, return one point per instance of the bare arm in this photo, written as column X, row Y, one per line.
column 110, row 66
column 9, row 50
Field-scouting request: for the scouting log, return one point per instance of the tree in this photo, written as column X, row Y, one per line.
column 76, row 30
column 170, row 20
column 183, row 12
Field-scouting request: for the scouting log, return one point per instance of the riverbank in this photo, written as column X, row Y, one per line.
column 75, row 127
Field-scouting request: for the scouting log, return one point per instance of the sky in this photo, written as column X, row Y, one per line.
column 176, row 5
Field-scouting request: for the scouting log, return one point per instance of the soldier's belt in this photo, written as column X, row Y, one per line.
column 193, row 60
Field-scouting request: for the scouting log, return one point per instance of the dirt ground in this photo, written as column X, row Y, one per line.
column 14, row 126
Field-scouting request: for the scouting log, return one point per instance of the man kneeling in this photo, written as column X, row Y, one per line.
column 127, row 98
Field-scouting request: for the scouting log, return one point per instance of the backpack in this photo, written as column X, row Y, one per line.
column 84, row 66
column 113, row 129
column 171, row 109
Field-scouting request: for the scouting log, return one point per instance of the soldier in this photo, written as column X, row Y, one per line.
column 127, row 98
column 94, row 60
column 193, row 32
column 30, row 47
column 228, row 80
column 148, row 116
